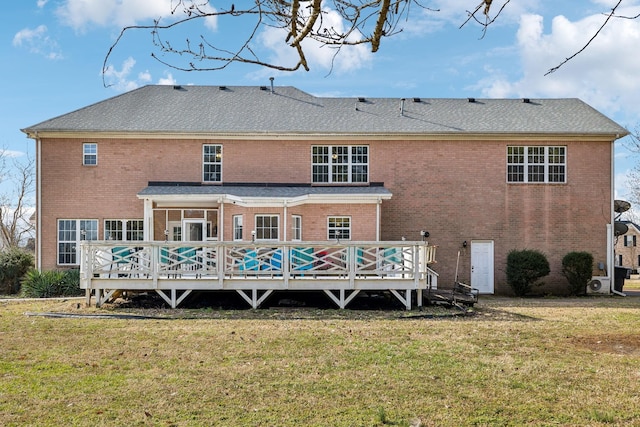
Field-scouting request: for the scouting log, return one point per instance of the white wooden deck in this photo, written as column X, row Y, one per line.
column 255, row 271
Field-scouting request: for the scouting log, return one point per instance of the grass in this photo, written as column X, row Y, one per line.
column 555, row 361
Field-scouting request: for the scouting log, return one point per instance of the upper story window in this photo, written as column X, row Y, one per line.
column 536, row 164
column 267, row 227
column 630, row 240
column 90, row 154
column 340, row 164
column 211, row 163
column 127, row 229
column 339, row 227
column 70, row 233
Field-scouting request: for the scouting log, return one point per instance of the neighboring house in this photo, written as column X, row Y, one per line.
column 481, row 176
column 626, row 248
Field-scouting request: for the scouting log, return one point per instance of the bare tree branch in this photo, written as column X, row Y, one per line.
column 606, row 21
column 15, row 225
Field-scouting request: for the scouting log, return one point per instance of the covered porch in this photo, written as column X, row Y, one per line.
column 255, row 270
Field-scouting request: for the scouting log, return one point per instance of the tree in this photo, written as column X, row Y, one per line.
column 362, row 22
column 15, row 212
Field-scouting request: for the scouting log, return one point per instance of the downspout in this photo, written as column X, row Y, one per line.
column 610, row 234
column 38, row 202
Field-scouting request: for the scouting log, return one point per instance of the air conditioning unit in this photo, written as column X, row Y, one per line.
column 599, row 285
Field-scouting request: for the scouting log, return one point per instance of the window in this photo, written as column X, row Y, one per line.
column 630, row 240
column 212, row 163
column 296, row 227
column 237, row 227
column 339, row 227
column 267, row 227
column 536, row 164
column 126, row 229
column 90, row 154
column 70, row 233
column 340, row 164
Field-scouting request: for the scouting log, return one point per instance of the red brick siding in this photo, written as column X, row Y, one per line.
column 456, row 190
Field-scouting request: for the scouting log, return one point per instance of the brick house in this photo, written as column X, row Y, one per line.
column 481, row 176
column 626, row 247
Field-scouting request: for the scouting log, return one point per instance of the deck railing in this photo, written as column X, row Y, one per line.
column 109, row 265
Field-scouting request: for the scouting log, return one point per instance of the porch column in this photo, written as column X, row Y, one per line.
column 148, row 220
column 284, row 222
column 221, row 220
column 378, row 213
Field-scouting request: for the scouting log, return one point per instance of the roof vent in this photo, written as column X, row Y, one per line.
column 417, row 100
column 402, row 106
column 263, row 88
column 472, row 99
column 526, row 100
column 177, row 87
column 222, row 87
column 360, row 99
column 271, row 80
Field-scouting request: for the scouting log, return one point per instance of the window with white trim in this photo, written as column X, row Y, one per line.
column 537, row 164
column 267, row 227
column 296, row 228
column 70, row 233
column 237, row 227
column 333, row 164
column 124, row 229
column 339, row 228
column 90, row 154
column 630, row 240
column 212, row 163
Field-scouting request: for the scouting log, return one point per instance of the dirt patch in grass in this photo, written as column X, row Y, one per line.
column 624, row 344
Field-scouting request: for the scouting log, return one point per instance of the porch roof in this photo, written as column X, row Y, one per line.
column 251, row 195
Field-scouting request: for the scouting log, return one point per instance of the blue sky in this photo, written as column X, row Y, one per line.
column 53, row 51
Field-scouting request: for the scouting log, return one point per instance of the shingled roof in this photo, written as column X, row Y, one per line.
column 287, row 110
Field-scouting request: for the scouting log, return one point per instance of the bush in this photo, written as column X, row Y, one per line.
column 524, row 269
column 577, row 267
column 14, row 264
column 51, row 283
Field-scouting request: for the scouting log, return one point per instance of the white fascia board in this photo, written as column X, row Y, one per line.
column 213, row 199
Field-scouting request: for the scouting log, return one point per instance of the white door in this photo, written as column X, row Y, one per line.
column 482, row 266
column 193, row 230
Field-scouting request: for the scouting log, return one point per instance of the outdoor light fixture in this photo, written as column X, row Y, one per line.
column 253, row 235
column 464, row 244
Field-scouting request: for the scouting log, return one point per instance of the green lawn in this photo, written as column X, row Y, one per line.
column 513, row 362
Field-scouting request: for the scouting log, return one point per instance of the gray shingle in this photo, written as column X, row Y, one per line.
column 251, row 110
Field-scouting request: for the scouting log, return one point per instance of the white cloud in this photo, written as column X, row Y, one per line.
column 37, row 41
column 11, row 154
column 604, row 75
column 119, row 79
column 348, row 58
column 42, row 3
column 167, row 80
column 80, row 14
